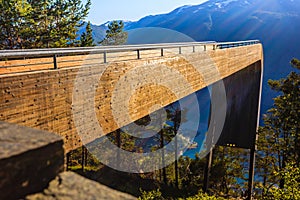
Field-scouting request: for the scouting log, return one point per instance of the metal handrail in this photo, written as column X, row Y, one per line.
column 22, row 54
column 29, row 53
column 223, row 45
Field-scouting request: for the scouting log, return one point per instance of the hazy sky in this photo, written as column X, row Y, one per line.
column 105, row 10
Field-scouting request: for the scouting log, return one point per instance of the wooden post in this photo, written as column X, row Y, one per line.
column 176, row 165
column 68, row 160
column 164, row 173
column 118, row 140
column 176, row 121
column 85, row 156
column 209, row 155
column 251, row 173
column 82, row 158
column 207, row 171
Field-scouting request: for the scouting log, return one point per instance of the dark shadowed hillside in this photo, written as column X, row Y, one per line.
column 276, row 23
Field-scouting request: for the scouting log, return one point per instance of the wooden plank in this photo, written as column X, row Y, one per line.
column 25, row 62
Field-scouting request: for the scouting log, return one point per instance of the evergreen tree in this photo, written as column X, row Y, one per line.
column 39, row 33
column 191, row 174
column 86, row 38
column 266, row 159
column 229, row 171
column 115, row 34
column 284, row 118
column 279, row 139
column 73, row 19
column 13, row 20
column 291, row 191
column 41, row 24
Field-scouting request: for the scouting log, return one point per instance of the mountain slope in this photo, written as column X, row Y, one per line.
column 276, row 23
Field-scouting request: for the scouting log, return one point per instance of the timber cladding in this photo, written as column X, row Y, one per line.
column 124, row 92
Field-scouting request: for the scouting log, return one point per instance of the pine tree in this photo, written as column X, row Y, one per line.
column 39, row 29
column 266, row 159
column 279, row 142
column 229, row 171
column 115, row 34
column 86, row 38
column 41, row 24
column 284, row 117
column 13, row 17
column 73, row 19
column 291, row 190
column 191, row 174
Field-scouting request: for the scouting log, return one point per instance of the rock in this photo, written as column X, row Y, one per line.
column 29, row 160
column 70, row 186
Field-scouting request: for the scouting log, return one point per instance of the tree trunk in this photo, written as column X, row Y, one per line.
column 164, row 173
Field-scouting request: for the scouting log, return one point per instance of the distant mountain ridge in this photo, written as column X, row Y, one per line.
column 99, row 31
column 276, row 23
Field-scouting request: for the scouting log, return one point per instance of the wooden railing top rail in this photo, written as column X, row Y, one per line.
column 21, row 53
column 21, row 60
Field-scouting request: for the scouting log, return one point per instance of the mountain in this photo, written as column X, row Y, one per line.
column 99, row 32
column 276, row 23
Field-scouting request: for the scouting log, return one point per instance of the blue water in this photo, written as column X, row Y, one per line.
column 203, row 101
column 189, row 107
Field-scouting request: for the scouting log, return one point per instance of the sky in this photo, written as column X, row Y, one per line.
column 102, row 11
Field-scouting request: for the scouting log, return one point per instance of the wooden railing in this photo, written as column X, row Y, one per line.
column 23, row 60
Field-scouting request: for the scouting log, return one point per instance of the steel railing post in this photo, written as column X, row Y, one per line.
column 138, row 54
column 104, row 57
column 54, row 61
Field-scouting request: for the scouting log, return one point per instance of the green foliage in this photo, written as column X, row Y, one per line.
column 283, row 120
column 291, row 190
column 203, row 196
column 76, row 160
column 115, row 34
column 266, row 158
column 191, row 174
column 41, row 24
column 157, row 195
column 279, row 139
column 13, row 23
column 151, row 195
column 229, row 171
column 295, row 63
column 86, row 38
